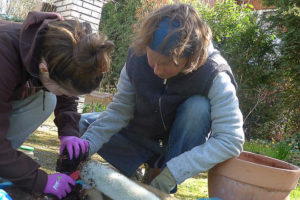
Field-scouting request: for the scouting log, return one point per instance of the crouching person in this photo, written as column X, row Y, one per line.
column 44, row 64
column 176, row 105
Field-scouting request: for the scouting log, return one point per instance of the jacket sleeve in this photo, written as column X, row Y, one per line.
column 117, row 115
column 227, row 136
column 66, row 116
column 15, row 166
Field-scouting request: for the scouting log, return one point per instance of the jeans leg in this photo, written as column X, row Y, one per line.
column 27, row 115
column 191, row 126
column 120, row 151
column 86, row 120
column 124, row 154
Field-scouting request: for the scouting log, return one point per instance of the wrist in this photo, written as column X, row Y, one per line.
column 40, row 183
column 169, row 176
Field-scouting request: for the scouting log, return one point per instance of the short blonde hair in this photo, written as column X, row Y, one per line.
column 194, row 32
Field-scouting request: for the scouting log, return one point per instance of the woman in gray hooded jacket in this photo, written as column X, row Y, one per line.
column 176, row 105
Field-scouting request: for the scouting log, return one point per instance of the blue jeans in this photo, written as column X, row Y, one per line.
column 190, row 128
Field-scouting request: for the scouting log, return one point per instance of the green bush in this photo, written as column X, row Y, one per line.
column 117, row 21
column 93, row 107
column 286, row 150
column 285, row 24
column 250, row 51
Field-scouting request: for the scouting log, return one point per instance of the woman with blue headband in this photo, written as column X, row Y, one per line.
column 176, row 106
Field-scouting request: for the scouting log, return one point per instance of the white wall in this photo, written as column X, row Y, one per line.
column 83, row 10
column 3, row 4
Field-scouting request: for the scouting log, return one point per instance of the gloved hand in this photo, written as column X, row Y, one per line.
column 59, row 185
column 72, row 142
column 164, row 181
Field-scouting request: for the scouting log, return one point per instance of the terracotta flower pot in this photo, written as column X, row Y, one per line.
column 252, row 177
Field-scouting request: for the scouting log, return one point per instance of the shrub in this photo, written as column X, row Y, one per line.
column 283, row 150
column 285, row 24
column 117, row 20
column 93, row 107
column 250, row 51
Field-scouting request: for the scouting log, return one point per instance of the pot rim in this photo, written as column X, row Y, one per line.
column 259, row 174
column 293, row 167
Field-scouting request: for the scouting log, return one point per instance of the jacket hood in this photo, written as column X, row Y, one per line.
column 32, row 26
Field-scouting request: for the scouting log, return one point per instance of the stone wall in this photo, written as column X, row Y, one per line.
column 83, row 10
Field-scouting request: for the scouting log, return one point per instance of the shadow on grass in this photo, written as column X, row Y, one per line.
column 46, row 149
column 40, row 138
column 189, row 197
column 46, row 159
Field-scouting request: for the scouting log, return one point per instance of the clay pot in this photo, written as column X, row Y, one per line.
column 252, row 177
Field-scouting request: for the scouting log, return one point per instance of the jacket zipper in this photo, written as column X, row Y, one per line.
column 159, row 103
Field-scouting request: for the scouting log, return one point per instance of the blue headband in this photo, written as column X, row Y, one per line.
column 165, row 27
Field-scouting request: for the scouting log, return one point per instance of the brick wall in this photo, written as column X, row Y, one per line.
column 83, row 10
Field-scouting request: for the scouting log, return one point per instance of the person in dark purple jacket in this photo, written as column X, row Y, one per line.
column 44, row 64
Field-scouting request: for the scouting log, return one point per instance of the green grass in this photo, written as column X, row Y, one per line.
column 193, row 188
column 295, row 194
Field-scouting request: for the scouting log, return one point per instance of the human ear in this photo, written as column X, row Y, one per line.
column 43, row 66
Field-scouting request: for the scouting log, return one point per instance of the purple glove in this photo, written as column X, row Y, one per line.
column 73, row 142
column 59, row 185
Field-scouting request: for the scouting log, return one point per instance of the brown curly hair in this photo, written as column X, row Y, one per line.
column 75, row 55
column 194, row 32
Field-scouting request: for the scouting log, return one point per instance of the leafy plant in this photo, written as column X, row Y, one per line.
column 285, row 24
column 93, row 107
column 148, row 6
column 117, row 21
column 279, row 150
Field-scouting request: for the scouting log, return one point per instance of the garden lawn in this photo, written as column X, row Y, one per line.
column 195, row 188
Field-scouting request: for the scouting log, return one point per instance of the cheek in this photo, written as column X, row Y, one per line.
column 55, row 90
column 52, row 87
column 150, row 63
column 172, row 71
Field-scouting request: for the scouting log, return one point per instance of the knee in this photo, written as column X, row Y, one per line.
column 193, row 122
column 195, row 107
column 85, row 121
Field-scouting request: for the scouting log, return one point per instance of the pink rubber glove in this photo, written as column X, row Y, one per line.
column 59, row 185
column 72, row 142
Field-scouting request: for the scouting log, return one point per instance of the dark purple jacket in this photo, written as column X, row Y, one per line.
column 18, row 69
